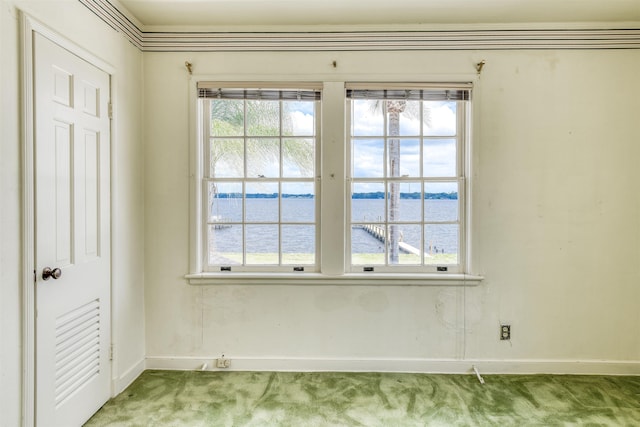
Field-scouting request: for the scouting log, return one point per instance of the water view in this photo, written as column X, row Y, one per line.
column 440, row 240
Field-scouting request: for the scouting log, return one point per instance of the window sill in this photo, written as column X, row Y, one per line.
column 362, row 279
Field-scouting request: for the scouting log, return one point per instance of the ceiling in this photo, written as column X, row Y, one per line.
column 241, row 13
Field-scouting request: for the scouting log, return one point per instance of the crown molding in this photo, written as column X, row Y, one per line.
column 115, row 18
column 476, row 37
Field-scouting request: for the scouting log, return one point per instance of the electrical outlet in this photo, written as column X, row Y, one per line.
column 505, row 332
column 223, row 363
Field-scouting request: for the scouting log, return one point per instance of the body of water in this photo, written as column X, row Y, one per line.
column 299, row 237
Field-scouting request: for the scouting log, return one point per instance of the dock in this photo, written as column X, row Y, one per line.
column 218, row 222
column 380, row 233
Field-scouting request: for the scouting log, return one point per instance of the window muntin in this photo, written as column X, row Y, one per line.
column 406, row 159
column 338, row 257
column 259, row 186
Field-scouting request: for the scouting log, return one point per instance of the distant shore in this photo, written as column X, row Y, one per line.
column 374, row 195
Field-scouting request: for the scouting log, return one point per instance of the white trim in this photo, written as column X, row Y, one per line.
column 111, row 13
column 307, row 279
column 332, row 250
column 439, row 366
column 195, row 182
column 28, row 227
column 386, row 40
column 462, row 174
column 123, row 381
column 618, row 35
column 30, row 26
column 333, row 184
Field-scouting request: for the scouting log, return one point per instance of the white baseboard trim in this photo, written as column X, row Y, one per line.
column 439, row 366
column 125, row 380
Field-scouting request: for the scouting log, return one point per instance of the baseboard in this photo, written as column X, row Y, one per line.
column 124, row 380
column 440, row 366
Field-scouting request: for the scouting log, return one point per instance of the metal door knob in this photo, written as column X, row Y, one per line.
column 48, row 273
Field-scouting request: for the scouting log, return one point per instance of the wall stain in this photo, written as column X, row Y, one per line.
column 446, row 309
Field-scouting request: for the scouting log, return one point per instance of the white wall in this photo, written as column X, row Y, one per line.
column 75, row 22
column 556, row 233
column 10, row 290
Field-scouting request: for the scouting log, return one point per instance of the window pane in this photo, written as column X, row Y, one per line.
column 225, row 202
column 440, row 118
column 227, row 117
column 413, row 153
column 260, row 206
column 441, row 201
column 227, row 158
column 367, row 245
column 262, row 244
column 298, row 118
column 298, row 202
column 262, row 202
column 225, row 244
column 298, row 244
column 403, row 117
column 440, row 157
column 298, row 158
column 263, row 158
column 367, row 158
column 367, row 118
column 407, row 203
column 409, row 243
column 441, row 243
column 367, row 202
column 408, row 157
column 263, row 118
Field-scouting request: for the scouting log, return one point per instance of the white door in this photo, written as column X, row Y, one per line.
column 72, row 229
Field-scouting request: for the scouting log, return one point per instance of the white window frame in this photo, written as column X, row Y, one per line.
column 332, row 223
column 205, row 129
column 462, row 138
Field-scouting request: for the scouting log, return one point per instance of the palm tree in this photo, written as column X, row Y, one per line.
column 263, row 118
column 393, row 109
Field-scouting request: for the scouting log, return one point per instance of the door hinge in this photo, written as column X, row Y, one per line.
column 110, row 111
column 111, row 352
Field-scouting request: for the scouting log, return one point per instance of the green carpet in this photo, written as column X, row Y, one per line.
column 178, row 398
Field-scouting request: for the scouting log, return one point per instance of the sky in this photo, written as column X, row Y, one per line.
column 439, row 147
column 439, row 124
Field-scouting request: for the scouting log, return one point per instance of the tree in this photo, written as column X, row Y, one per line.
column 393, row 109
column 237, row 118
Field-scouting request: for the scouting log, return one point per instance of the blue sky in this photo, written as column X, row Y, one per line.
column 368, row 153
column 439, row 152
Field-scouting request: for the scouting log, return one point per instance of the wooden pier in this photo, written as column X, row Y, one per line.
column 380, row 233
column 218, row 222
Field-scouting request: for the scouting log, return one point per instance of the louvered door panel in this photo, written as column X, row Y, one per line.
column 77, row 350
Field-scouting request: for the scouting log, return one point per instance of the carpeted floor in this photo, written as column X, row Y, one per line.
column 178, row 398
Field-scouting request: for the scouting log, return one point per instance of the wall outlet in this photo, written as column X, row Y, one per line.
column 223, row 363
column 505, row 332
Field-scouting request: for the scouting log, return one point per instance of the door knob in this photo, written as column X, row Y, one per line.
column 48, row 273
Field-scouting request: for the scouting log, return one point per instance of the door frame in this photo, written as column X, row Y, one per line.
column 30, row 26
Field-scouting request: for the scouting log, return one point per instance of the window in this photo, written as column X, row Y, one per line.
column 392, row 174
column 407, row 147
column 259, row 186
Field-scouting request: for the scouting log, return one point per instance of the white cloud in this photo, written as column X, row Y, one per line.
column 303, row 124
column 442, row 119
